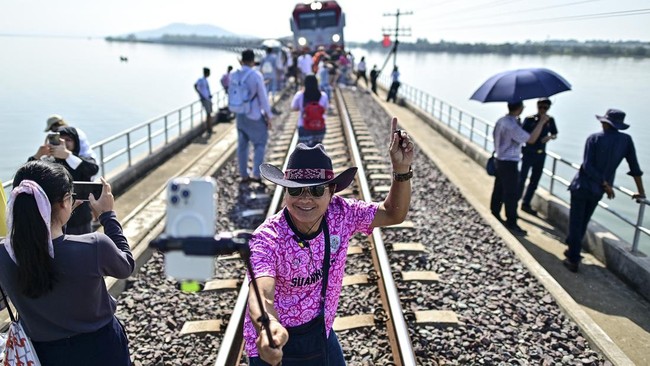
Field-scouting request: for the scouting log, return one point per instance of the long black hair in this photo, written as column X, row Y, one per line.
column 29, row 234
column 311, row 93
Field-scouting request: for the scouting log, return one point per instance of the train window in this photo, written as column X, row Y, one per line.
column 321, row 19
column 327, row 19
column 307, row 21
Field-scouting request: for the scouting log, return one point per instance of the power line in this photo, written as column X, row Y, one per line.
column 472, row 8
column 502, row 14
column 613, row 14
column 434, row 4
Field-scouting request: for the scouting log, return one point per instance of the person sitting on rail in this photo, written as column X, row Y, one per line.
column 292, row 251
column 55, row 280
column 81, row 168
column 312, row 104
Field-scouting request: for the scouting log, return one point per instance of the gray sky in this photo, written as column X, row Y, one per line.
column 491, row 21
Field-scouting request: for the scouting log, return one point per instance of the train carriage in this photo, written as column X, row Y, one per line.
column 319, row 23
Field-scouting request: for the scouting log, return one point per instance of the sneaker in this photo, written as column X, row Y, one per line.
column 571, row 266
column 528, row 209
column 515, row 229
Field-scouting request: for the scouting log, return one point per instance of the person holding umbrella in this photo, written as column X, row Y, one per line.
column 533, row 155
column 512, row 87
column 508, row 138
column 604, row 151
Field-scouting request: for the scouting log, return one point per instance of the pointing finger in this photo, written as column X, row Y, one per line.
column 393, row 124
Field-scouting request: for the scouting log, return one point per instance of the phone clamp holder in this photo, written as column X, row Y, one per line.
column 221, row 244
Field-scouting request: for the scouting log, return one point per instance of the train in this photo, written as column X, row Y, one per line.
column 318, row 23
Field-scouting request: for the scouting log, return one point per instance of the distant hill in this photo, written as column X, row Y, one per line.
column 182, row 29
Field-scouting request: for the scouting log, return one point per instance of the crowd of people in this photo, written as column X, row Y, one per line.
column 248, row 90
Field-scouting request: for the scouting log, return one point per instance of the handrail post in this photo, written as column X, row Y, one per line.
column 191, row 116
column 166, row 132
column 485, row 140
column 471, row 131
column 149, row 138
column 180, row 122
column 449, row 116
column 101, row 159
column 550, row 188
column 637, row 227
column 460, row 120
column 128, row 147
column 440, row 114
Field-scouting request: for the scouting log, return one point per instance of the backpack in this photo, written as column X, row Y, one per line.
column 312, row 117
column 239, row 99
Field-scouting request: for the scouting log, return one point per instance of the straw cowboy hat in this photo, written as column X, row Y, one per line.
column 307, row 167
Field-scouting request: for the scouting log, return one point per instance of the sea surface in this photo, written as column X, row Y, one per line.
column 84, row 80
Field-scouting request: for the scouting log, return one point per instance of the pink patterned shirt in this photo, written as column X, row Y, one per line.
column 297, row 271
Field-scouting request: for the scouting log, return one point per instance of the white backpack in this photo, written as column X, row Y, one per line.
column 239, row 98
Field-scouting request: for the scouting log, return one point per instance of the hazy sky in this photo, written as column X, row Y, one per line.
column 491, row 21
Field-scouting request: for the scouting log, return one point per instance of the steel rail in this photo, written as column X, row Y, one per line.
column 400, row 329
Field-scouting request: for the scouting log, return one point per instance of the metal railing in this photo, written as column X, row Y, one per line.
column 479, row 132
column 121, row 151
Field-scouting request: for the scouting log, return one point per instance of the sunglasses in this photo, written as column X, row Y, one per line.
column 315, row 191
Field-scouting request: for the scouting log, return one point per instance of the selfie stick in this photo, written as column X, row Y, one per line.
column 221, row 244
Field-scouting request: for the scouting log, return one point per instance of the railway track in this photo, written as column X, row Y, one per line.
column 376, row 314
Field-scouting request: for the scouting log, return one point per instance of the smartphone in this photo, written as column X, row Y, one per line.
column 191, row 212
column 54, row 138
column 81, row 190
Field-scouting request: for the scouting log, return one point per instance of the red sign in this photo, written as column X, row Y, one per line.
column 386, row 41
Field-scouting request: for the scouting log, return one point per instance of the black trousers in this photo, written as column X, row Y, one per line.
column 535, row 162
column 505, row 191
column 392, row 93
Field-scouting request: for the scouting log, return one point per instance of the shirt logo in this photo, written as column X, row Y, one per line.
column 335, row 243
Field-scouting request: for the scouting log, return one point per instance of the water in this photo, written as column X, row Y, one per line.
column 85, row 82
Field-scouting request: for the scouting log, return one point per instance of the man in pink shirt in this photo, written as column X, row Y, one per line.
column 289, row 251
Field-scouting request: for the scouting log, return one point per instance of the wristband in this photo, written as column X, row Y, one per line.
column 404, row 176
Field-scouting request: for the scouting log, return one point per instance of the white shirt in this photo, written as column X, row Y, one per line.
column 255, row 84
column 203, row 87
column 305, row 63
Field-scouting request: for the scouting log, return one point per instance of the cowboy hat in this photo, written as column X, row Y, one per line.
column 615, row 118
column 307, row 167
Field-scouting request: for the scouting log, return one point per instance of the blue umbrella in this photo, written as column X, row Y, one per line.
column 517, row 85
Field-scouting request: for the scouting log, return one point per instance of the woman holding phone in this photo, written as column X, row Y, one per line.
column 56, row 281
column 82, row 168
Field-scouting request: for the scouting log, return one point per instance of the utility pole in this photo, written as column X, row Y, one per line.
column 397, row 31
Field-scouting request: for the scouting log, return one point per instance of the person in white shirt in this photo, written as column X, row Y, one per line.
column 203, row 89
column 252, row 127
column 361, row 71
column 305, row 64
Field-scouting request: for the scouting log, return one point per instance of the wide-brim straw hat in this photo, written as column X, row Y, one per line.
column 307, row 167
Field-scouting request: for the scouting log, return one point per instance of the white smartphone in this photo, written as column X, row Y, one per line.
column 191, row 212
